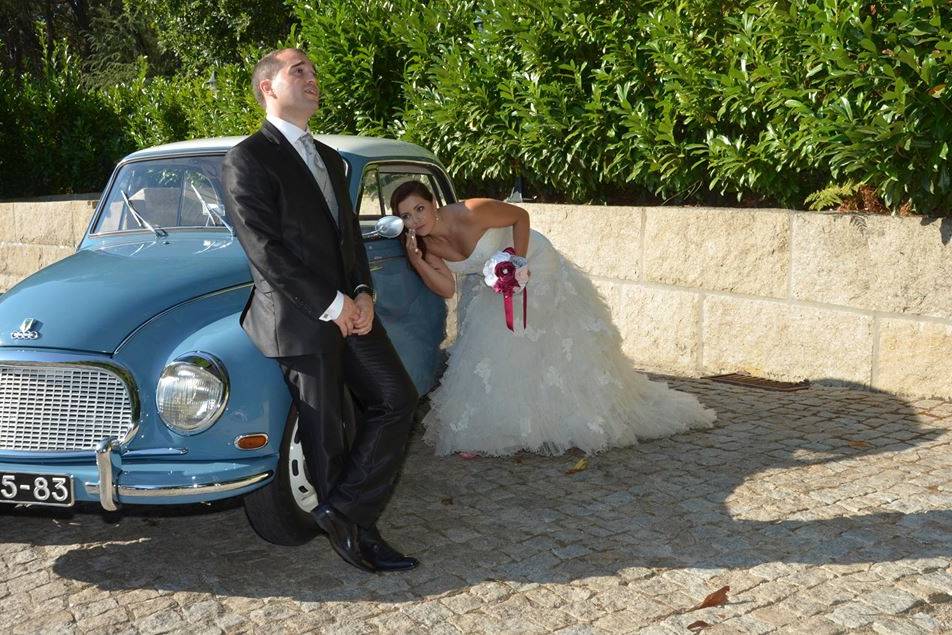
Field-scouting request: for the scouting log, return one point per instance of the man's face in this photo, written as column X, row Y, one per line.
column 294, row 89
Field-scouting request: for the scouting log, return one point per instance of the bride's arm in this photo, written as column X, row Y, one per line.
column 493, row 213
column 436, row 275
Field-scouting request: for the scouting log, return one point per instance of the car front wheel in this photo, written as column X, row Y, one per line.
column 279, row 511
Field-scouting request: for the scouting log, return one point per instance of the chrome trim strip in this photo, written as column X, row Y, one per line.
column 107, row 496
column 175, row 306
column 149, row 452
column 83, row 455
column 390, row 165
column 156, row 491
column 46, row 455
column 127, row 232
column 385, row 258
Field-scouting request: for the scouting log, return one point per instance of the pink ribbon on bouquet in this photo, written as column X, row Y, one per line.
column 506, row 284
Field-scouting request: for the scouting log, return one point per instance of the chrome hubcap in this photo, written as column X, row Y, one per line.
column 301, row 489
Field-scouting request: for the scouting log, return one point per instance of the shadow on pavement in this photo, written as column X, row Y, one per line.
column 824, row 476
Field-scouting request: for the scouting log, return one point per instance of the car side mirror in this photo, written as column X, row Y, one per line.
column 386, row 227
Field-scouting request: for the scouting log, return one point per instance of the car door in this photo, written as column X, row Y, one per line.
column 414, row 316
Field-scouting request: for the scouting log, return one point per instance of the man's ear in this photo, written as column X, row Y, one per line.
column 265, row 86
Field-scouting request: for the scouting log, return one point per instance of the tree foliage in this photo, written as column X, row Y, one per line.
column 55, row 135
column 203, row 34
column 684, row 100
column 784, row 102
column 30, row 28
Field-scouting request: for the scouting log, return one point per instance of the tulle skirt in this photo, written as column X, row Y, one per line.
column 561, row 382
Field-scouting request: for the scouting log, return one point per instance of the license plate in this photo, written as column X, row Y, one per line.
column 36, row 489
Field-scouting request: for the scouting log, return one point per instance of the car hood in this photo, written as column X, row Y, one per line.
column 93, row 299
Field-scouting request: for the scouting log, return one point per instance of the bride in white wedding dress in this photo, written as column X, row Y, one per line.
column 560, row 382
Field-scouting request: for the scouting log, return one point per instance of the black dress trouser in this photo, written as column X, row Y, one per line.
column 355, row 479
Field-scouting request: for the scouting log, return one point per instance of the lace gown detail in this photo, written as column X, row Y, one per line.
column 562, row 382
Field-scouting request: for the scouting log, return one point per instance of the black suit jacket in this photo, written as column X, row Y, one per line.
column 300, row 258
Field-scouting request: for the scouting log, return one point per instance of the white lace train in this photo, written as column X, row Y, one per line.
column 562, row 382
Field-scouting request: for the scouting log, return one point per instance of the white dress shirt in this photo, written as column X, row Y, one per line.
column 293, row 134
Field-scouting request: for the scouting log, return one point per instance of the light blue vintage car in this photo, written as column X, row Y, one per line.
column 125, row 377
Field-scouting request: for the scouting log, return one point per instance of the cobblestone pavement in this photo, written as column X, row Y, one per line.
column 825, row 511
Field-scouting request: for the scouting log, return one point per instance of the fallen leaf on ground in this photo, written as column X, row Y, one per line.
column 447, row 501
column 699, row 625
column 855, row 443
column 578, row 467
column 718, row 598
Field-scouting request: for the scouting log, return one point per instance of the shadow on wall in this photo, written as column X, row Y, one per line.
column 813, row 477
column 945, row 227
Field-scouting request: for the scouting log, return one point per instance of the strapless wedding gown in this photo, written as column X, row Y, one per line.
column 561, row 382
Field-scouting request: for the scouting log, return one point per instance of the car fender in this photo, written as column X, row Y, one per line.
column 258, row 399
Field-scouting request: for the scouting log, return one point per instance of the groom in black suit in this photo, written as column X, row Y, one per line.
column 312, row 309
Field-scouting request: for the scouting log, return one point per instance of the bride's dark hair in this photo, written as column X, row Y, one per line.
column 407, row 189
column 404, row 191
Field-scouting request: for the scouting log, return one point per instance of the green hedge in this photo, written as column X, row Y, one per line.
column 686, row 100
column 56, row 137
column 766, row 103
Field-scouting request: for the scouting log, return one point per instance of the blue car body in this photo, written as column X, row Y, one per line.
column 116, row 313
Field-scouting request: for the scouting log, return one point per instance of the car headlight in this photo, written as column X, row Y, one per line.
column 192, row 393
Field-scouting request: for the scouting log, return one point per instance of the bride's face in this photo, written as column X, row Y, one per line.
column 418, row 214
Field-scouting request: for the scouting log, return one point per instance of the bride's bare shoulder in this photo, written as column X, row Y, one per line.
column 481, row 211
column 477, row 204
column 462, row 211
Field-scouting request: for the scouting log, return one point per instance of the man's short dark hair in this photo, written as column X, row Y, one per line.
column 266, row 68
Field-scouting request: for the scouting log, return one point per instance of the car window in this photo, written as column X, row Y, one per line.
column 166, row 193
column 379, row 183
column 369, row 205
column 199, row 197
column 389, row 181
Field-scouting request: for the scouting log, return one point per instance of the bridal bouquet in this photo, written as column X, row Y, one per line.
column 507, row 274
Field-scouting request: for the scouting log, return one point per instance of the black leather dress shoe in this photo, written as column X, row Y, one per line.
column 382, row 556
column 342, row 534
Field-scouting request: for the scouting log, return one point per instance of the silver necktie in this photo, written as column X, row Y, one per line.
column 319, row 171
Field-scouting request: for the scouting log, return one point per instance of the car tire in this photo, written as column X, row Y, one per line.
column 279, row 511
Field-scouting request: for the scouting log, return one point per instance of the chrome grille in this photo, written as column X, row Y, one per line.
column 61, row 406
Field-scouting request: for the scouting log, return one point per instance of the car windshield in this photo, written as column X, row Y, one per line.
column 165, row 194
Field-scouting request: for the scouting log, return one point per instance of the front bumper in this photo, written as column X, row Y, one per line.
column 152, row 481
column 109, row 467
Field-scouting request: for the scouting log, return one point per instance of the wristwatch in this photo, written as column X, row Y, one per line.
column 363, row 288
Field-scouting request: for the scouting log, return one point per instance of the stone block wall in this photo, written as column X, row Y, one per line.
column 788, row 295
column 834, row 298
column 37, row 233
